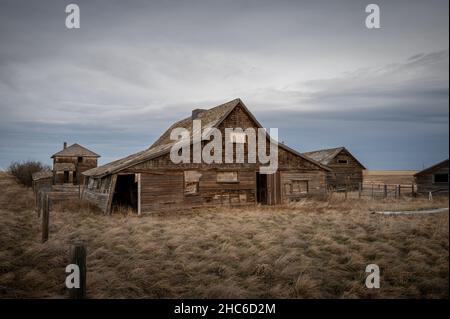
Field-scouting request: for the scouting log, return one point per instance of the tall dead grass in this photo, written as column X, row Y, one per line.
column 309, row 249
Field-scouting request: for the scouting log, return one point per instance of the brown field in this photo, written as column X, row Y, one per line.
column 389, row 177
column 308, row 250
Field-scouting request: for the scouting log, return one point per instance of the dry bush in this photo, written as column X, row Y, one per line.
column 309, row 249
column 23, row 170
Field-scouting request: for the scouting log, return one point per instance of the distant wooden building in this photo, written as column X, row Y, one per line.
column 346, row 170
column 433, row 179
column 149, row 181
column 70, row 162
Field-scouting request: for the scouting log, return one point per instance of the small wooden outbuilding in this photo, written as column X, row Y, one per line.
column 42, row 180
column 71, row 162
column 149, row 181
column 433, row 179
column 346, row 170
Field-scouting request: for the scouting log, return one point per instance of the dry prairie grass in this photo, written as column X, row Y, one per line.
column 308, row 249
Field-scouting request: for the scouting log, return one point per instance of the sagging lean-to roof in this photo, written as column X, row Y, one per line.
column 210, row 118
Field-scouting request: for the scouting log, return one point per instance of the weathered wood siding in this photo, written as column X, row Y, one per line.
column 84, row 165
column 300, row 184
column 426, row 183
column 349, row 174
column 99, row 191
column 162, row 183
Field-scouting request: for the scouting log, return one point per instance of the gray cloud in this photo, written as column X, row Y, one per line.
column 310, row 68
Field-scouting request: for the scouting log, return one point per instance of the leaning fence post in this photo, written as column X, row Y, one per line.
column 45, row 218
column 385, row 190
column 78, row 257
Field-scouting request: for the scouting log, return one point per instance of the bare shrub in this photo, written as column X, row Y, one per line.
column 23, row 170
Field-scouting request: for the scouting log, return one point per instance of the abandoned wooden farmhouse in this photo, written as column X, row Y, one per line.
column 433, row 179
column 71, row 162
column 346, row 170
column 149, row 181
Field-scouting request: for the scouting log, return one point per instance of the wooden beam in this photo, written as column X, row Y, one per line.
column 78, row 257
column 45, row 219
column 139, row 193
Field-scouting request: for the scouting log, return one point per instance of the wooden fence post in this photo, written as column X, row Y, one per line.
column 372, row 191
column 385, row 191
column 78, row 257
column 359, row 190
column 346, row 191
column 45, row 218
column 399, row 190
column 412, row 190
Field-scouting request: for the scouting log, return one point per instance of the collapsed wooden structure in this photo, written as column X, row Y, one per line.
column 346, row 170
column 149, row 181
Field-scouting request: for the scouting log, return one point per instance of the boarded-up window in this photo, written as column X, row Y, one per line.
column 342, row 161
column 191, row 182
column 296, row 187
column 299, row 187
column 227, row 177
column 237, row 137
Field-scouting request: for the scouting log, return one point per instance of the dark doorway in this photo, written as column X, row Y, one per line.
column 261, row 188
column 125, row 193
column 66, row 177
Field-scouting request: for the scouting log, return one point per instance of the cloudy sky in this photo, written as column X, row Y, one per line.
column 310, row 68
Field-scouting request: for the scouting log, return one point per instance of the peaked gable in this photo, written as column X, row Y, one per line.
column 75, row 150
column 211, row 118
column 326, row 156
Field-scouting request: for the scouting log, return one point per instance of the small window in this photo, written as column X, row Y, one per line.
column 342, row 161
column 440, row 178
column 227, row 177
column 300, row 187
column 80, row 159
column 237, row 137
column 191, row 182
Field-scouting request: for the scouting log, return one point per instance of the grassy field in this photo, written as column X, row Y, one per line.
column 307, row 250
column 388, row 177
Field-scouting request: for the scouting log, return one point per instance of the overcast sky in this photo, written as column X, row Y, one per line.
column 310, row 68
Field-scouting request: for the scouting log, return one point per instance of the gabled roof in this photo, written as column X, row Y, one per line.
column 210, row 118
column 325, row 156
column 431, row 168
column 76, row 150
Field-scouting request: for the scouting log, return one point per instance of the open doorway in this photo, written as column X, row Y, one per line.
column 261, row 188
column 126, row 193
